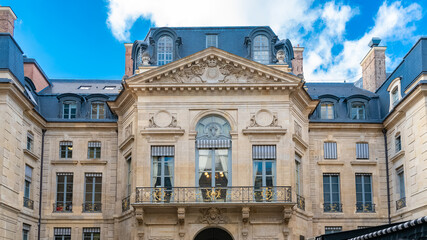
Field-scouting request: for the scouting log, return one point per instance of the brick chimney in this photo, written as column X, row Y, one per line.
column 297, row 62
column 128, row 59
column 373, row 66
column 7, row 20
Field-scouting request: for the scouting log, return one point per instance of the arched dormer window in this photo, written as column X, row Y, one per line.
column 70, row 105
column 69, row 109
column 96, row 106
column 327, row 110
column 394, row 90
column 164, row 50
column 261, row 49
column 358, row 111
column 213, row 155
column 395, row 96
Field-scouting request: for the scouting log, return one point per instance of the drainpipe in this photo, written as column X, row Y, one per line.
column 387, row 174
column 41, row 186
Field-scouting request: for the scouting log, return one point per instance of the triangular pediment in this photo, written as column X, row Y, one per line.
column 213, row 66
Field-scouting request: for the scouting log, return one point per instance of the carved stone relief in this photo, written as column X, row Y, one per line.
column 264, row 118
column 212, row 216
column 162, row 119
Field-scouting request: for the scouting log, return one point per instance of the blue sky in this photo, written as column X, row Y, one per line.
column 85, row 39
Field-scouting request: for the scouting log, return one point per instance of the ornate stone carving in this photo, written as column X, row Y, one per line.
column 281, row 56
column 162, row 119
column 264, row 118
column 245, row 214
column 212, row 216
column 145, row 58
column 139, row 215
column 181, row 215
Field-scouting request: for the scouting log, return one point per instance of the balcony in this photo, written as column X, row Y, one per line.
column 28, row 203
column 224, row 195
column 63, row 207
column 365, row 207
column 92, row 207
column 401, row 203
column 125, row 204
column 300, row 202
column 332, row 207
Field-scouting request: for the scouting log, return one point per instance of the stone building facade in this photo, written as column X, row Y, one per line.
column 213, row 133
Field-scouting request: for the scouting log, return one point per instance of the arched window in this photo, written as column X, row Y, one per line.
column 261, row 49
column 327, row 110
column 358, row 111
column 395, row 96
column 164, row 50
column 213, row 154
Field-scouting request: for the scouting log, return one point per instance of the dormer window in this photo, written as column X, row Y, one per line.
column 69, row 110
column 211, row 40
column 84, row 87
column 394, row 91
column 164, row 50
column 327, row 110
column 261, row 49
column 98, row 110
column 109, row 87
column 395, row 96
column 358, row 111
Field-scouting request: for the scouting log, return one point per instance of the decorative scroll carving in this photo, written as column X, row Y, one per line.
column 181, row 215
column 264, row 118
column 162, row 119
column 287, row 214
column 245, row 214
column 212, row 216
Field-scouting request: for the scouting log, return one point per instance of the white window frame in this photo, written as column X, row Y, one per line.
column 259, row 54
column 98, row 115
column 211, row 38
column 394, row 86
column 324, row 107
column 164, row 52
column 71, row 105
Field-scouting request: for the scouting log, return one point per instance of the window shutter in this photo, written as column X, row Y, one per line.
column 362, row 150
column 330, row 150
column 213, row 143
column 162, row 151
column 264, row 152
column 62, row 231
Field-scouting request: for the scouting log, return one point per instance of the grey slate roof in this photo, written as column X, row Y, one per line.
column 341, row 90
column 60, row 86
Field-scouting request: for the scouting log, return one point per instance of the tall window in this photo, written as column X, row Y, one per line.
column 330, row 150
column 331, row 192
column 398, row 143
column 66, row 149
column 298, row 173
column 64, row 192
column 362, row 150
column 164, row 50
column 358, row 111
column 163, row 157
column 93, row 192
column 30, row 141
column 334, row 229
column 364, row 193
column 27, row 187
column 261, row 49
column 401, row 202
column 213, row 145
column 129, row 176
column 26, row 231
column 62, row 233
column 264, row 157
column 98, row 110
column 211, row 40
column 94, row 150
column 69, row 110
column 395, row 96
column 91, row 233
column 327, row 111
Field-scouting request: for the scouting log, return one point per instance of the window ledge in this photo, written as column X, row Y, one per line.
column 72, row 162
column 93, row 162
column 126, row 142
column 363, row 162
column 264, row 130
column 330, row 162
column 299, row 140
column 31, row 154
column 163, row 131
column 397, row 156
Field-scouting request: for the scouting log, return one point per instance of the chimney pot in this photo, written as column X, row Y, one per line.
column 375, row 41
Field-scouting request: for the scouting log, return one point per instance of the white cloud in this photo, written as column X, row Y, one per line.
column 318, row 29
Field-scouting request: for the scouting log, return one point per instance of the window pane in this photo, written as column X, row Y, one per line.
column 261, row 49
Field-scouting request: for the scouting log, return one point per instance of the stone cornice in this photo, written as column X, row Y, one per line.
column 82, row 125
column 31, row 154
column 297, row 139
column 126, row 142
column 342, row 126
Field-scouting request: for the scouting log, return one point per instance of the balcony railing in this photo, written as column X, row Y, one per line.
column 365, row 207
column 92, row 207
column 332, row 207
column 125, row 204
column 300, row 202
column 28, row 203
column 63, row 207
column 401, row 203
column 282, row 194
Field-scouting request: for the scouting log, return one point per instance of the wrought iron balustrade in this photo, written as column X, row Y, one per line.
column 332, row 207
column 125, row 204
column 92, row 207
column 28, row 203
column 63, row 207
column 365, row 207
column 300, row 202
column 401, row 203
column 279, row 194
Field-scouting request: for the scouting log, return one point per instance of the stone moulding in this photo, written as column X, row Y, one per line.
column 330, row 162
column 31, row 154
column 58, row 162
column 93, row 162
column 163, row 131
column 264, row 130
column 126, row 142
column 363, row 162
column 297, row 139
column 397, row 156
